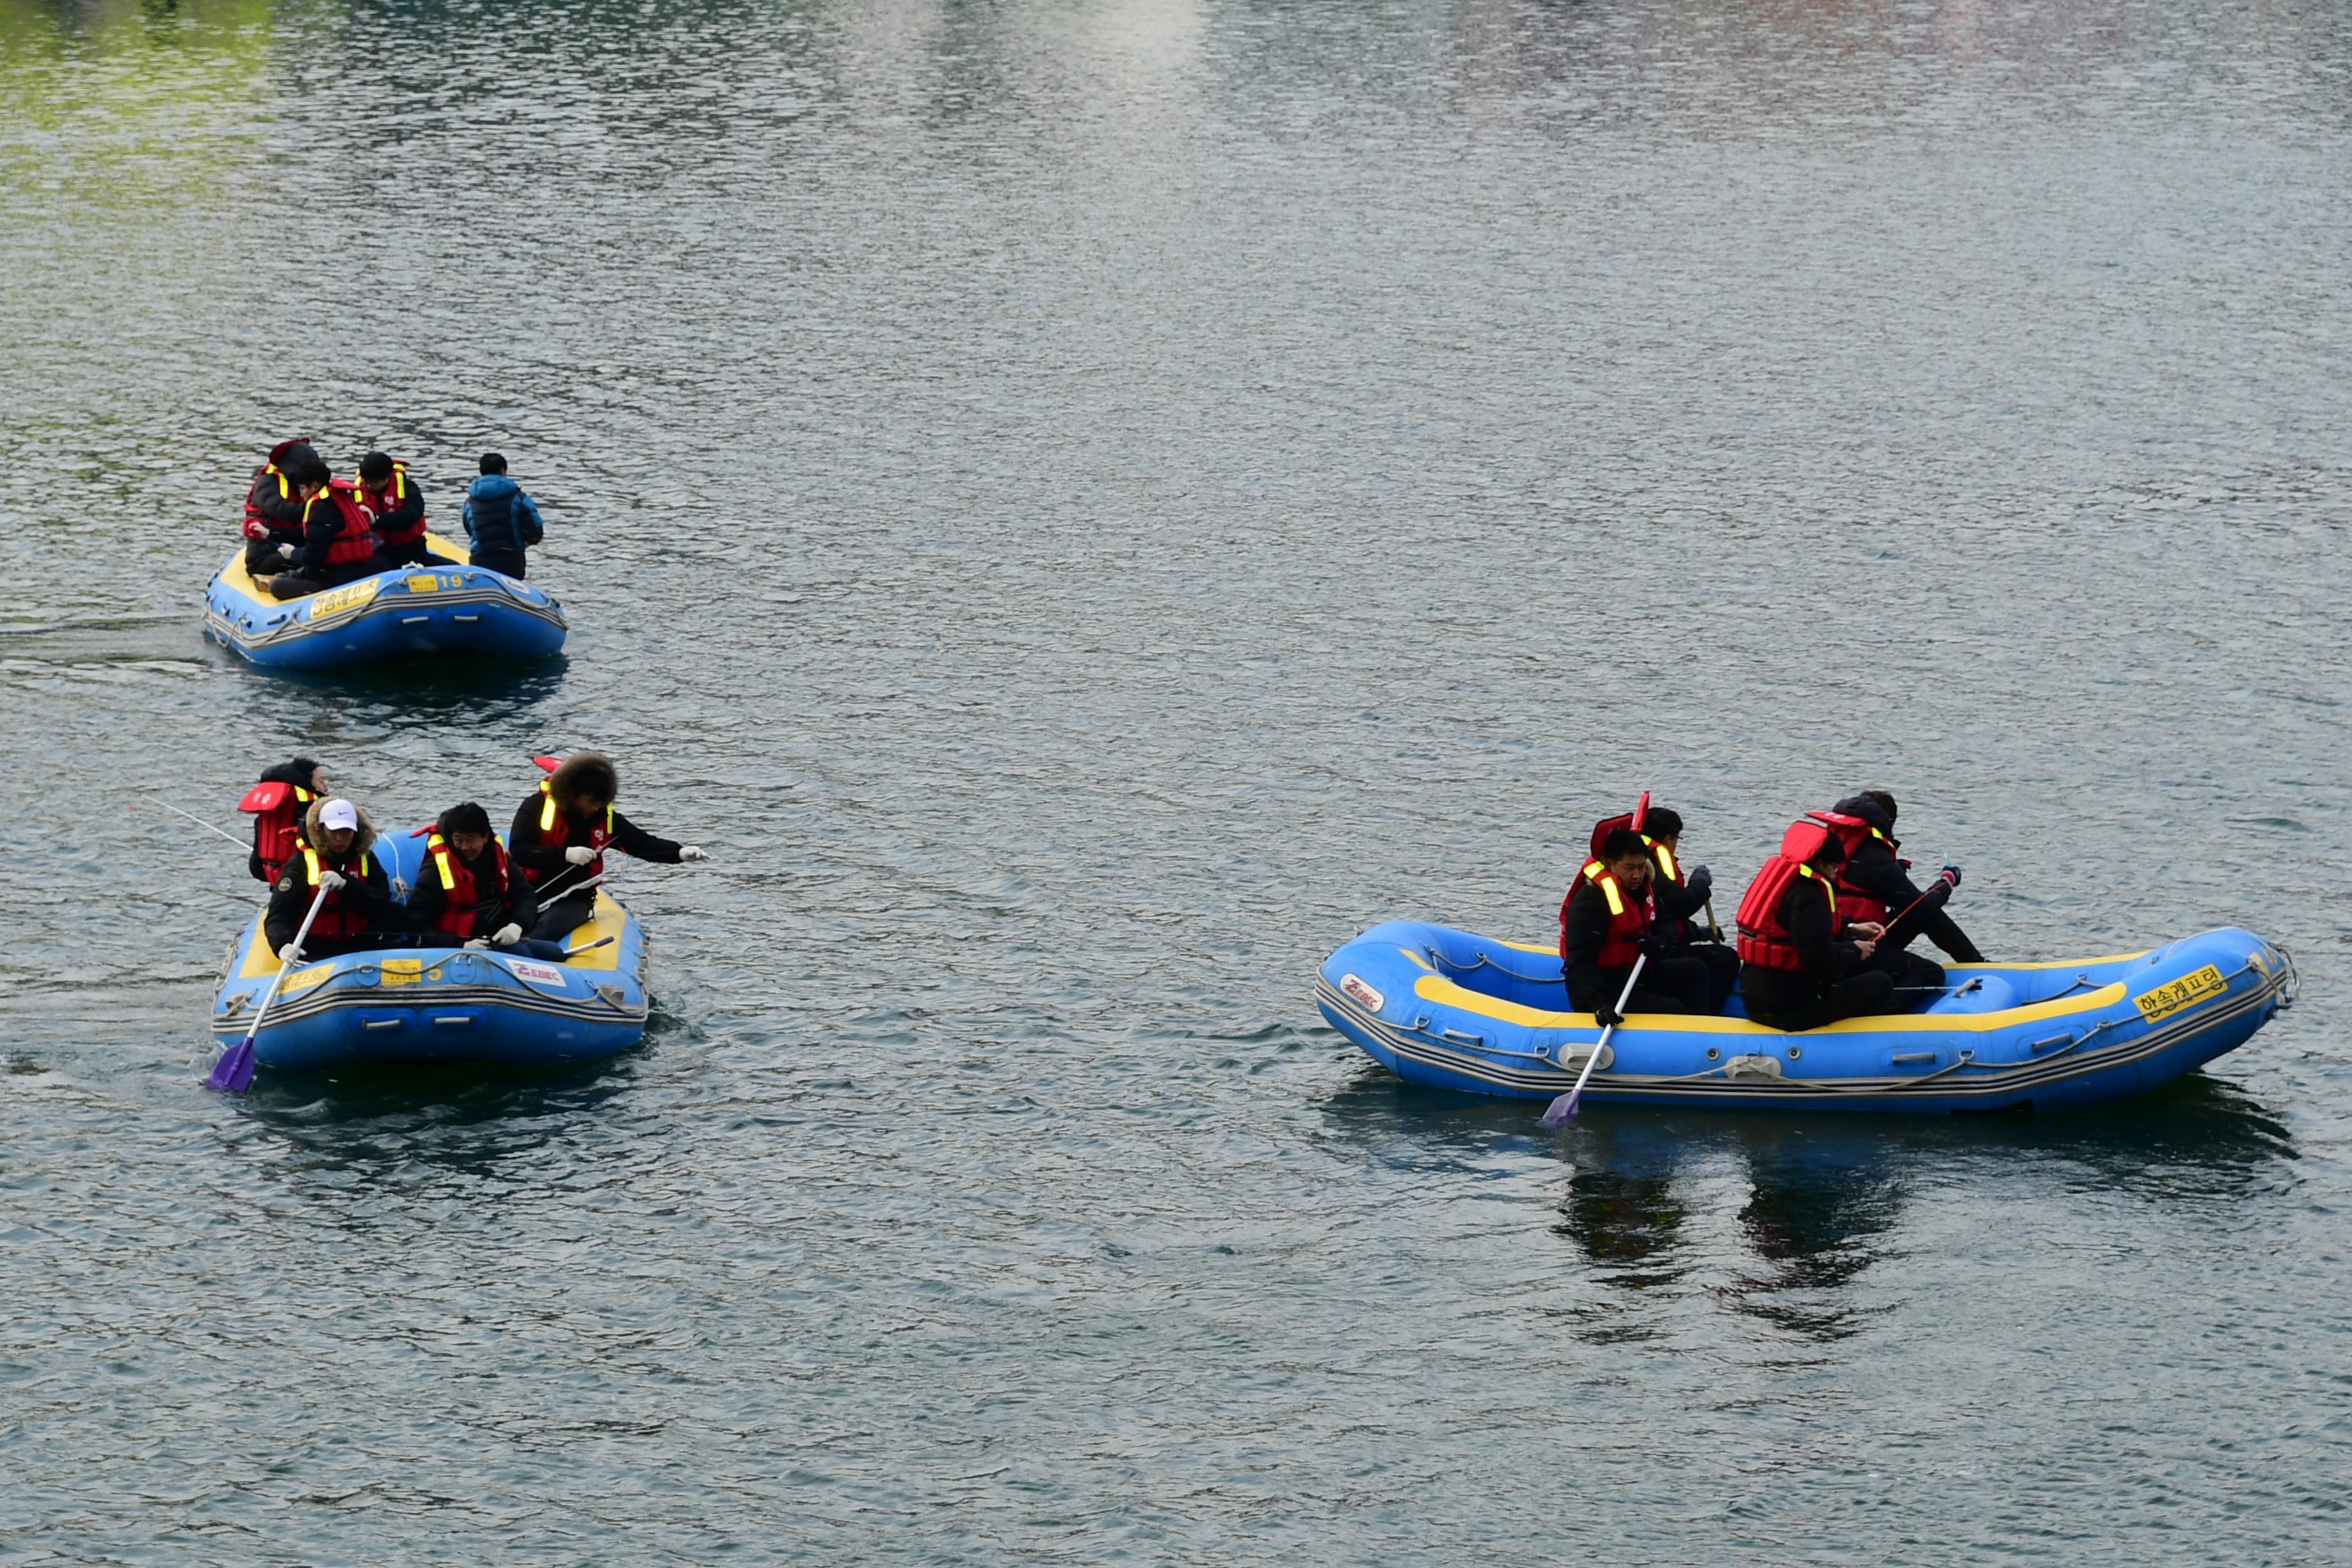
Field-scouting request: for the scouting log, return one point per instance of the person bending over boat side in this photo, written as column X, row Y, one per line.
column 470, row 893
column 1608, row 916
column 337, row 838
column 338, row 541
column 1802, row 964
column 277, row 814
column 1679, row 900
column 558, row 836
column 397, row 506
column 500, row 518
column 1873, row 871
column 273, row 512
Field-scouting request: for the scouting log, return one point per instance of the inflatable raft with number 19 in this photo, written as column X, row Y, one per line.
column 409, row 612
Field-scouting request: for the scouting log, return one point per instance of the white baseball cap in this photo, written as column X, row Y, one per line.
column 340, row 814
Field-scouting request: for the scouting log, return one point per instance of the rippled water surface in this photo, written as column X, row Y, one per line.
column 1082, row 506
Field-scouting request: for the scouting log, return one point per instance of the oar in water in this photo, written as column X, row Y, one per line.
column 1562, row 1111
column 234, row 1071
column 207, row 826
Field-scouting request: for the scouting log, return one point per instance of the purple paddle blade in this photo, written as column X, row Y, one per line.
column 232, row 1074
column 1561, row 1112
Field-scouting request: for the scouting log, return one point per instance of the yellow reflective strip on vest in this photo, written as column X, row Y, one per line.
column 441, row 858
column 1666, row 858
column 1828, row 891
column 546, row 812
column 310, row 863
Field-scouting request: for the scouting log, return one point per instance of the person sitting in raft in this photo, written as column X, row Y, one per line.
column 559, row 836
column 397, row 506
column 333, row 854
column 469, row 893
column 337, row 539
column 279, row 803
column 1874, row 872
column 1604, row 923
column 1801, row 964
column 273, row 512
column 500, row 520
column 1679, row 900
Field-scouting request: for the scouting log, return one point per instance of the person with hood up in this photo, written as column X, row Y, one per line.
column 273, row 512
column 279, row 803
column 1873, row 873
column 1803, row 962
column 560, row 835
column 469, row 892
column 500, row 518
column 333, row 854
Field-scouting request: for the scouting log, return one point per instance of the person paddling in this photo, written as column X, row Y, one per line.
column 333, row 854
column 1681, row 899
column 1802, row 963
column 1607, row 915
column 1875, row 871
column 560, row 833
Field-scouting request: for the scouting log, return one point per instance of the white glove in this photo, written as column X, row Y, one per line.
column 331, row 881
column 580, row 853
column 508, row 932
column 475, row 944
column 693, row 852
column 290, row 952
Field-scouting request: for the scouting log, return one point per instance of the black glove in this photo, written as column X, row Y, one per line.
column 1952, row 875
column 1701, row 882
column 1607, row 1018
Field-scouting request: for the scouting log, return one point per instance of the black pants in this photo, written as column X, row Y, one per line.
column 1914, row 978
column 415, row 553
column 1670, row 984
column 267, row 557
column 319, row 947
column 1721, row 962
column 1940, row 930
column 508, row 562
column 310, row 579
column 560, row 919
column 1779, row 1000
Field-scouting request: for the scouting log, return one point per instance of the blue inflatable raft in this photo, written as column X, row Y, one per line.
column 1452, row 1010
column 411, row 612
column 445, row 1003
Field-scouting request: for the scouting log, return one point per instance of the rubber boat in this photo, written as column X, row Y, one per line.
column 441, row 1004
column 407, row 613
column 1453, row 1010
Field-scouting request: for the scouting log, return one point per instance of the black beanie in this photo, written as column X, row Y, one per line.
column 465, row 818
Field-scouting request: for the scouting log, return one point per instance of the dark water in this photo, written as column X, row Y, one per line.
column 1082, row 508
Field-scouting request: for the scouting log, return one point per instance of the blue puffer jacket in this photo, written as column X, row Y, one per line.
column 499, row 516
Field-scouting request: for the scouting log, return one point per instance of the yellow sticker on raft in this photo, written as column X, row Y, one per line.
column 403, row 970
column 335, row 601
column 303, row 978
column 2180, row 995
column 423, row 584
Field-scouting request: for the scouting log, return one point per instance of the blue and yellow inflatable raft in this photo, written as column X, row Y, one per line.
column 1452, row 1010
column 441, row 1004
column 409, row 613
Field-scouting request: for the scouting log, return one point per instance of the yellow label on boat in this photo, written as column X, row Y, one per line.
column 2180, row 995
column 335, row 601
column 423, row 584
column 403, row 970
column 302, row 977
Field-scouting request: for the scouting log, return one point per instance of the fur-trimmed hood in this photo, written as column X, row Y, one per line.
column 360, row 843
column 590, row 771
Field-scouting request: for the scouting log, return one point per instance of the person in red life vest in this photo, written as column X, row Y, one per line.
column 559, row 836
column 1604, row 922
column 273, row 511
column 1682, row 899
column 335, row 853
column 1803, row 962
column 398, row 506
column 1874, row 869
column 338, row 541
column 279, row 803
column 469, row 892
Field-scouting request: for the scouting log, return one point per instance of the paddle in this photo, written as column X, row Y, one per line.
column 1563, row 1111
column 234, row 1071
column 207, row 826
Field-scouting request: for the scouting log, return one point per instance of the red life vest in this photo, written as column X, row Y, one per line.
column 355, row 533
column 335, row 918
column 1854, row 832
column 278, row 809
column 456, row 916
column 257, row 524
column 1764, row 938
column 382, row 503
column 555, row 832
column 1629, row 919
